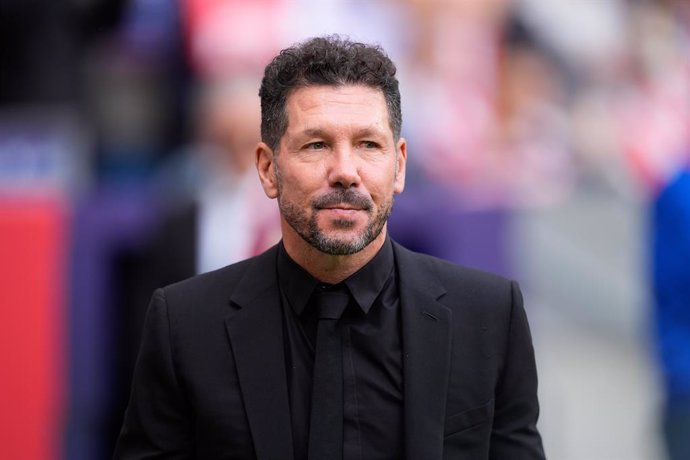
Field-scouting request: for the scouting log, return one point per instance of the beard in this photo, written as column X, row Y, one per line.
column 307, row 227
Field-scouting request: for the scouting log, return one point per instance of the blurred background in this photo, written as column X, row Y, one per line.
column 549, row 141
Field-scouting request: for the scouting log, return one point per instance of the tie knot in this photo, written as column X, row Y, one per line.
column 329, row 302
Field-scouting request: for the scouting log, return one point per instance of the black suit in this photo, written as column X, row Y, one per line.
column 210, row 381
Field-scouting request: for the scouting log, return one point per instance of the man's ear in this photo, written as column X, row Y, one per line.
column 401, row 162
column 266, row 170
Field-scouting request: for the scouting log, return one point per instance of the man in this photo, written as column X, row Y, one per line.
column 425, row 360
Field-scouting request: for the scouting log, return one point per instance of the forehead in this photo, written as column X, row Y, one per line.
column 340, row 105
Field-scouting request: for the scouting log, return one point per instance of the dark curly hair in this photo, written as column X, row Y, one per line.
column 330, row 60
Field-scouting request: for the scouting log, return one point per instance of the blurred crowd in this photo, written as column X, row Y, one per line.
column 127, row 129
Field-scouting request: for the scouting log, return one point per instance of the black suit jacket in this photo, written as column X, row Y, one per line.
column 210, row 380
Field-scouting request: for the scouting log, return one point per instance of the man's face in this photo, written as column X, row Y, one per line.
column 337, row 168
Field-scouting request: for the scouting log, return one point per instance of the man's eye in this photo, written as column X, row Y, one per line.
column 316, row 146
column 369, row 145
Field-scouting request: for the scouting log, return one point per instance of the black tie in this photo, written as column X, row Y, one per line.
column 326, row 421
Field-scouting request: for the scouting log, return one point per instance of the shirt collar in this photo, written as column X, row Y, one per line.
column 365, row 285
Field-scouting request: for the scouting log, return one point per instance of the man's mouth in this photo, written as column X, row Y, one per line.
column 342, row 207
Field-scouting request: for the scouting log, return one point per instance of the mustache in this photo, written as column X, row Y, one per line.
column 348, row 196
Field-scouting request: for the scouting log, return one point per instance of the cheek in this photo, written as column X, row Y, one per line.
column 382, row 187
column 296, row 188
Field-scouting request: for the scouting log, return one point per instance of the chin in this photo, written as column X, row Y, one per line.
column 343, row 225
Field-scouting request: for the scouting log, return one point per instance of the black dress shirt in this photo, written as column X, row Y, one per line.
column 372, row 356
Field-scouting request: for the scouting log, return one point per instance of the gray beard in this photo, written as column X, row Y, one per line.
column 309, row 231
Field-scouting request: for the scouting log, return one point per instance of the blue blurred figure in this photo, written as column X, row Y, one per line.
column 671, row 284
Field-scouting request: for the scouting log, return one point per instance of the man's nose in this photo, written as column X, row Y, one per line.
column 343, row 169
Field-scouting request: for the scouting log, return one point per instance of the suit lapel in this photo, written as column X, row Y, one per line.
column 256, row 334
column 426, row 349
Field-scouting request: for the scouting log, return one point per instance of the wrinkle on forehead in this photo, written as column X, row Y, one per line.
column 358, row 108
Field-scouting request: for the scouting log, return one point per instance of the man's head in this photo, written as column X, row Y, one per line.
column 331, row 153
column 325, row 61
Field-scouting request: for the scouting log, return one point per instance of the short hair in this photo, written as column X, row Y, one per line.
column 330, row 60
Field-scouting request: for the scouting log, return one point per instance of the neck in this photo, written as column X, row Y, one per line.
column 328, row 268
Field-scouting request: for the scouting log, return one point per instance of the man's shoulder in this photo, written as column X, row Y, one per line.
column 223, row 281
column 443, row 269
column 465, row 290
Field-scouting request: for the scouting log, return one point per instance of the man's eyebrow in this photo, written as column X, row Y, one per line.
column 314, row 132
column 369, row 132
column 362, row 132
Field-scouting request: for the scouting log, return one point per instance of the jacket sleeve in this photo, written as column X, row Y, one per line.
column 514, row 433
column 158, row 420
